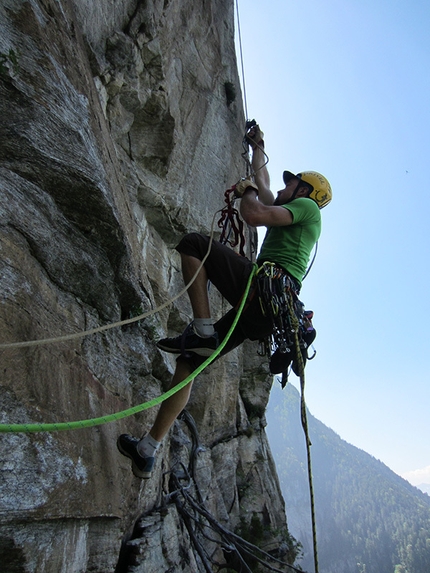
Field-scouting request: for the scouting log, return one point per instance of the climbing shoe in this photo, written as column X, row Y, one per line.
column 189, row 342
column 142, row 467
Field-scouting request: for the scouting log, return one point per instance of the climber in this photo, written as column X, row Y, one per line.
column 294, row 222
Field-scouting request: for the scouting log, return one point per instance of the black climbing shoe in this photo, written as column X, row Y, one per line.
column 142, row 467
column 190, row 342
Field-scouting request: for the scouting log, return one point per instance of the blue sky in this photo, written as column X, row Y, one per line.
column 343, row 87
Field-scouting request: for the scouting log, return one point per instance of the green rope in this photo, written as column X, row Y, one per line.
column 61, row 426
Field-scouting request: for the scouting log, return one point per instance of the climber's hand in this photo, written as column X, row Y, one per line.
column 243, row 186
column 255, row 137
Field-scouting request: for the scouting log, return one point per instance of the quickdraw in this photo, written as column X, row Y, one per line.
column 279, row 299
column 230, row 221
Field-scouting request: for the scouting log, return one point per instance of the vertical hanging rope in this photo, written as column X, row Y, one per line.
column 304, row 419
column 311, row 486
column 241, row 58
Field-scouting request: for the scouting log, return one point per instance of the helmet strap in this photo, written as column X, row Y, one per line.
column 296, row 190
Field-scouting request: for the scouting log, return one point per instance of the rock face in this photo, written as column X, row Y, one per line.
column 120, row 131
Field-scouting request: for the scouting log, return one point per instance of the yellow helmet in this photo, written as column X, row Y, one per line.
column 321, row 191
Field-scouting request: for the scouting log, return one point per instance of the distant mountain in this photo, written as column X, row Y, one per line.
column 425, row 487
column 369, row 519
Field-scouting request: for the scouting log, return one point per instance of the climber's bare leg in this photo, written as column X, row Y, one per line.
column 198, row 291
column 173, row 406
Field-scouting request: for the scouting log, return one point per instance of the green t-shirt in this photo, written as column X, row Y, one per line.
column 290, row 246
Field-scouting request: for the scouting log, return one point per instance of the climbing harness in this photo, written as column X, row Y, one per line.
column 278, row 295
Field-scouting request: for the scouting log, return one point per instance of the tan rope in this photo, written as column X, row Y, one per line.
column 105, row 327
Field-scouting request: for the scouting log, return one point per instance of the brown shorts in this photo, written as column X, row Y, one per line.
column 229, row 273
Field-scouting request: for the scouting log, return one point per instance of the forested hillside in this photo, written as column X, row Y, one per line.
column 369, row 520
